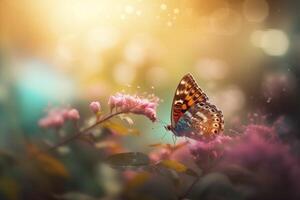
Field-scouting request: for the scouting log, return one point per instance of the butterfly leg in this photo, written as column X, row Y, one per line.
column 174, row 138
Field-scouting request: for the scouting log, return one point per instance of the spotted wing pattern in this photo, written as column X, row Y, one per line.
column 202, row 121
column 187, row 94
column 192, row 115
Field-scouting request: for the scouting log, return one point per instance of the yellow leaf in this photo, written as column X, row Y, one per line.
column 173, row 164
column 178, row 167
column 110, row 146
column 157, row 145
column 169, row 146
column 9, row 188
column 138, row 180
column 120, row 129
column 46, row 162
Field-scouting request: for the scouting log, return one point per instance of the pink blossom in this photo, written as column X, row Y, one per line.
column 64, row 113
column 256, row 159
column 56, row 117
column 159, row 154
column 44, row 122
column 269, row 161
column 135, row 104
column 206, row 152
column 58, row 120
column 95, row 107
column 73, row 114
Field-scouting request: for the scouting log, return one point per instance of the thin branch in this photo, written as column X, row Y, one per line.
column 184, row 195
column 79, row 133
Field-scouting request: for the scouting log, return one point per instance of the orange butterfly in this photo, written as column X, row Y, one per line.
column 192, row 115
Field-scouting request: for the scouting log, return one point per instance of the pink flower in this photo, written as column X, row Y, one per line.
column 135, row 104
column 159, row 154
column 73, row 114
column 44, row 122
column 58, row 121
column 95, row 107
column 56, row 117
column 207, row 152
column 256, row 159
column 265, row 161
column 64, row 113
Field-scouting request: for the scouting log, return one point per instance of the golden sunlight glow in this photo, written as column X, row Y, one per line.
column 256, row 10
column 124, row 74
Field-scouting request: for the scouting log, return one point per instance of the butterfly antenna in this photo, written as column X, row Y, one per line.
column 161, row 121
column 164, row 135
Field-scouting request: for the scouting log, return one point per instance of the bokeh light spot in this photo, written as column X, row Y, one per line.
column 163, row 6
column 275, row 42
column 129, row 9
column 176, row 11
column 225, row 21
column 124, row 74
column 209, row 69
column 256, row 37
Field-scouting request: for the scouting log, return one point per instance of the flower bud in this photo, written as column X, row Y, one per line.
column 57, row 121
column 73, row 114
column 95, row 107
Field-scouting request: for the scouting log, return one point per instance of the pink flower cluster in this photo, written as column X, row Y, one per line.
column 159, row 154
column 205, row 152
column 135, row 104
column 271, row 163
column 56, row 117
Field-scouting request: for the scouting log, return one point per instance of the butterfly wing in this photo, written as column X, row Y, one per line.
column 201, row 121
column 187, row 94
column 207, row 120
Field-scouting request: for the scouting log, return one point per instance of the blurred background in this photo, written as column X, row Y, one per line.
column 243, row 53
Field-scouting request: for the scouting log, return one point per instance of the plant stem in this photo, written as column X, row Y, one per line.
column 184, row 195
column 79, row 133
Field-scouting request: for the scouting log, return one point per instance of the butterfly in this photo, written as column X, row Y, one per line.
column 192, row 115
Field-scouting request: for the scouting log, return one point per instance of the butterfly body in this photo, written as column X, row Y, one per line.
column 192, row 115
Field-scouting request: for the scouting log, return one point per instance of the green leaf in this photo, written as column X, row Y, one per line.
column 130, row 159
